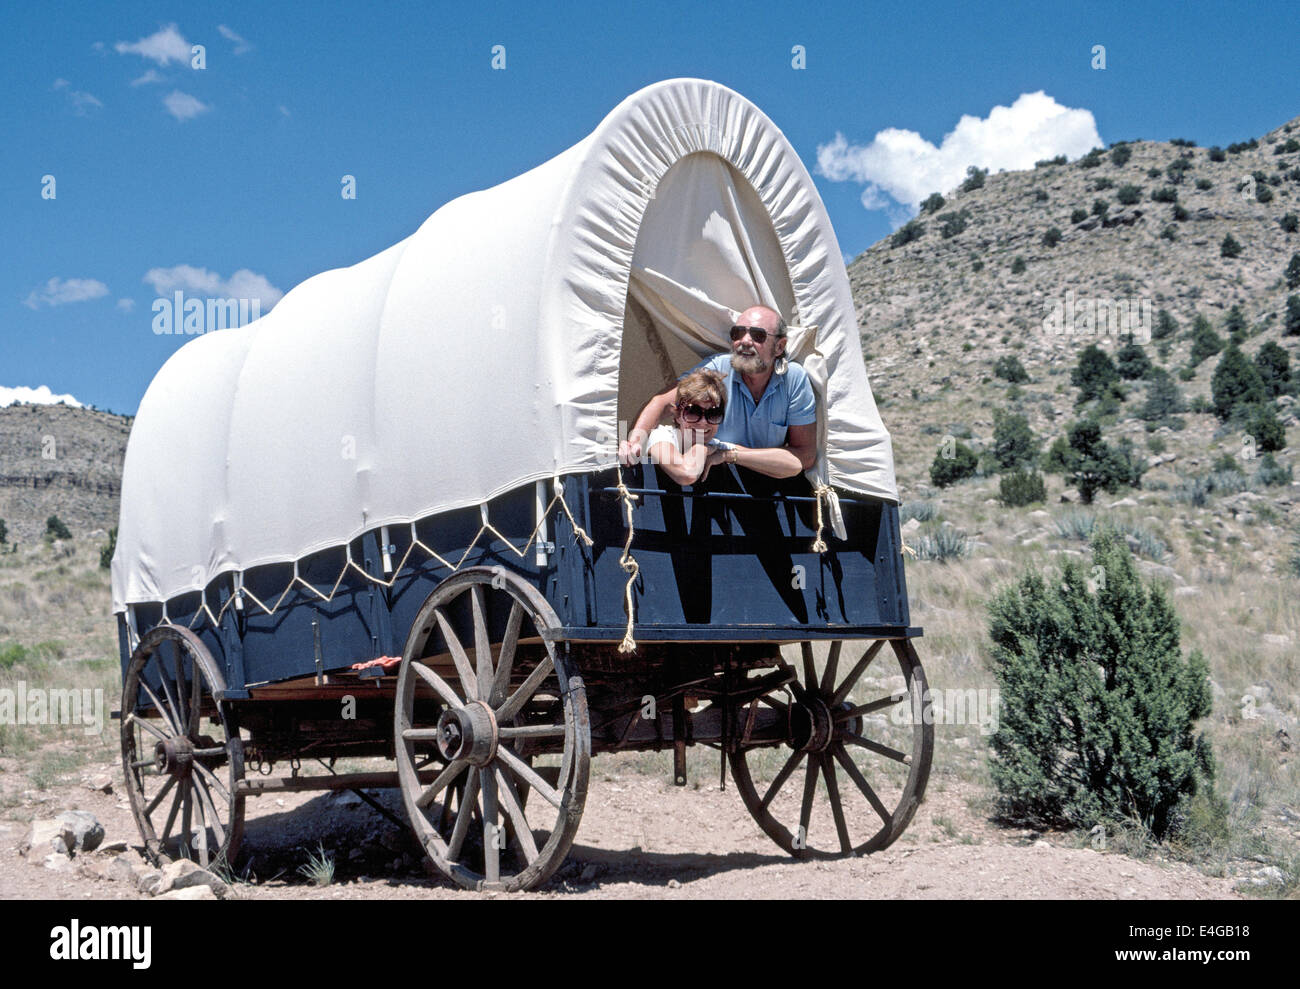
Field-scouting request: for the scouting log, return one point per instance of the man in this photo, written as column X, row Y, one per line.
column 771, row 419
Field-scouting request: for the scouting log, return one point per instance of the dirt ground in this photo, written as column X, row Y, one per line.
column 641, row 838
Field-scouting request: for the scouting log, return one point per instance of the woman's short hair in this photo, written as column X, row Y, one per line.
column 700, row 386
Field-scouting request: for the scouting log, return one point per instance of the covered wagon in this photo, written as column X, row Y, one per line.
column 415, row 458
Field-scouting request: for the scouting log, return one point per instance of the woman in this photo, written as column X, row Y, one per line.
column 686, row 450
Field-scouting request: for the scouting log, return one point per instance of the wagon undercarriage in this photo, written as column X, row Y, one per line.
column 827, row 745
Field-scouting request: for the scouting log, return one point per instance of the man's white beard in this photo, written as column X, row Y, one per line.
column 752, row 364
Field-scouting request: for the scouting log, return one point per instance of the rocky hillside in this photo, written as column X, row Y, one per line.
column 56, row 460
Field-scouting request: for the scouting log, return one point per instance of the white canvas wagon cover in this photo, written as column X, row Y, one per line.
column 501, row 343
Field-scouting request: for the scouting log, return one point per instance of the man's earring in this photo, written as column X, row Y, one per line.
column 781, row 366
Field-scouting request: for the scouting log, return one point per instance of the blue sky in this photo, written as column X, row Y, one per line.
column 228, row 177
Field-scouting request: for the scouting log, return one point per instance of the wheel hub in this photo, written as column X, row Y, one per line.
column 468, row 733
column 811, row 726
column 174, row 756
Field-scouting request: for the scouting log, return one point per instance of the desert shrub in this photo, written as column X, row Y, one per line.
column 1182, row 142
column 1100, row 208
column 1169, row 232
column 1045, row 162
column 1120, row 154
column 1271, row 473
column 1204, row 185
column 1217, row 154
column 1229, row 247
column 959, row 464
column 1102, row 184
column 1078, row 215
column 55, row 529
column 944, row 544
column 1010, row 369
column 1018, row 266
column 1129, row 195
column 1021, row 487
column 951, row 224
column 1261, row 422
column 106, row 553
column 1058, row 457
column 1093, row 374
column 1225, row 461
column 1131, row 361
column 1166, row 325
column 1237, row 147
column 1014, row 443
column 1076, row 525
column 4, row 532
column 1092, row 159
column 908, row 232
column 922, row 511
column 1234, row 324
column 1165, row 194
column 1290, row 223
column 1293, row 271
column 1194, row 491
column 1095, row 465
column 933, row 203
column 1179, row 214
column 1098, row 706
column 974, row 178
column 1052, row 237
column 1205, row 342
column 1163, row 399
column 1040, row 195
column 1274, row 367
column 1235, row 382
column 1291, row 325
column 1154, row 173
column 1263, row 194
column 1177, row 169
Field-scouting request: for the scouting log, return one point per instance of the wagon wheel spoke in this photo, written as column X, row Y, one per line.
column 137, row 721
column 158, row 798
column 523, row 834
column 809, row 668
column 187, row 815
column 849, row 714
column 854, row 674
column 201, row 832
column 482, row 642
column 469, row 683
column 440, row 686
column 182, row 700
column 505, row 664
column 162, row 712
column 491, row 832
column 441, row 782
column 837, row 806
column 529, row 776
column 791, row 764
column 861, row 782
column 879, row 749
column 526, row 690
column 531, row 731
column 468, row 800
column 212, row 782
column 809, row 791
column 832, row 665
column 171, row 815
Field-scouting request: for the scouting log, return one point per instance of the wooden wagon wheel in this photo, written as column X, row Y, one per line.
column 832, row 766
column 182, row 782
column 474, row 819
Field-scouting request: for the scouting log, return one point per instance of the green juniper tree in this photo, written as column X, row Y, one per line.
column 1098, row 707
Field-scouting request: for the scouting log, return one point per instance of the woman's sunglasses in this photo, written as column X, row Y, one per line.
column 694, row 413
column 756, row 333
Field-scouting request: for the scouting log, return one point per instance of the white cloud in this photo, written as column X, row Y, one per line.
column 183, row 106
column 241, row 45
column 126, row 305
column 150, row 76
column 81, row 101
column 243, row 284
column 59, row 292
column 903, row 167
column 165, row 45
column 35, row 396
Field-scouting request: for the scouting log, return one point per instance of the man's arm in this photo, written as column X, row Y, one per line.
column 798, row 454
column 629, row 451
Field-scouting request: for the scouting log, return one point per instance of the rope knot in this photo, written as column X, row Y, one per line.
column 820, row 491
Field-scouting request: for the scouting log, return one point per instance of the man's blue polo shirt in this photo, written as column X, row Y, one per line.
column 788, row 400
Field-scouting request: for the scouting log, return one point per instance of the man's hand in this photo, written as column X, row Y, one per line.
column 631, row 450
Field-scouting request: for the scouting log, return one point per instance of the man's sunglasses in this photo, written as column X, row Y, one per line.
column 756, row 333
column 694, row 413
